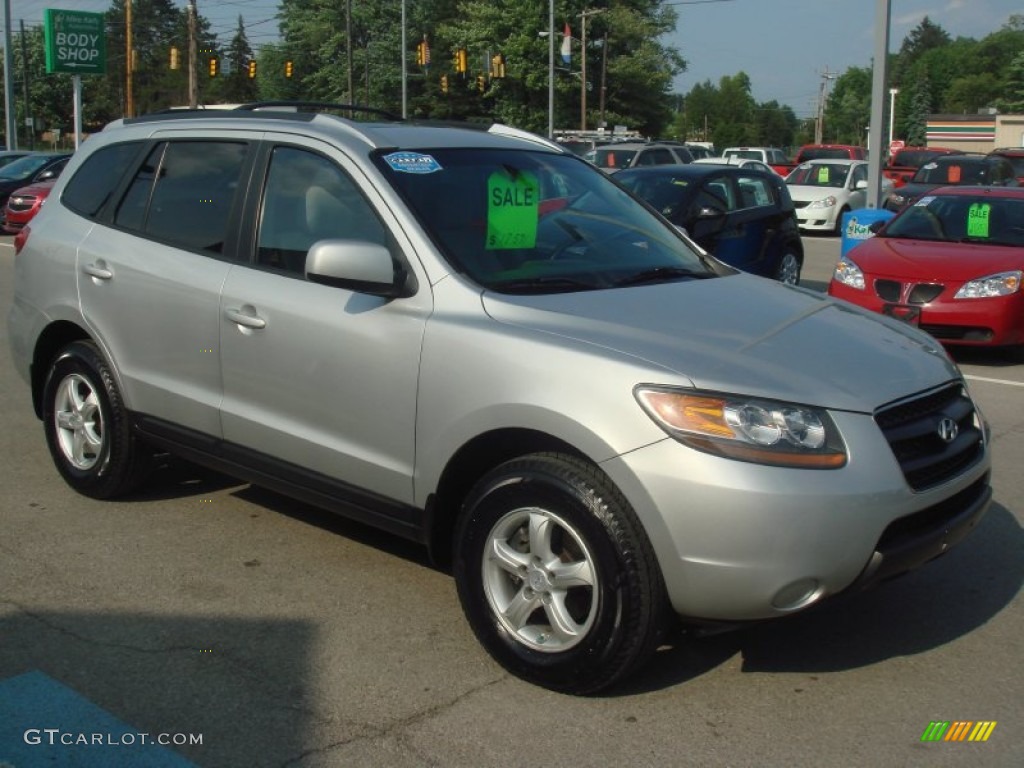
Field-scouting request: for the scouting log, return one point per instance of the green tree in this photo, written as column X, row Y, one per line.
column 848, row 109
column 916, row 128
column 237, row 86
column 1013, row 91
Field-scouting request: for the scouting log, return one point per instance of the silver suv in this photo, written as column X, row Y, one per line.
column 478, row 341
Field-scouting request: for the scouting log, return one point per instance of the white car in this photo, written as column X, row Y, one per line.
column 740, row 162
column 823, row 190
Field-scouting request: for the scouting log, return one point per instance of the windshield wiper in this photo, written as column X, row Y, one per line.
column 547, row 284
column 663, row 274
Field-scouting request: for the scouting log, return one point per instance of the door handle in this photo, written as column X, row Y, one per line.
column 97, row 271
column 245, row 319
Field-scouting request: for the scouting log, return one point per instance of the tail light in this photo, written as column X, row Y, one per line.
column 20, row 239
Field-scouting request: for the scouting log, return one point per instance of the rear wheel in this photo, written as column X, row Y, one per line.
column 87, row 427
column 556, row 575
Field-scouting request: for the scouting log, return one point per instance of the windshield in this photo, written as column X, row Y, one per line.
column 822, row 153
column 952, row 172
column 914, row 158
column 527, row 221
column 819, row 175
column 24, row 167
column 961, row 218
column 611, row 157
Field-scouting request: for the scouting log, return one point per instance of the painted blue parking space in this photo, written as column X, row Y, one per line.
column 43, row 722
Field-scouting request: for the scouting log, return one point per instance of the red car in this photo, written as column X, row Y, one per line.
column 951, row 263
column 23, row 204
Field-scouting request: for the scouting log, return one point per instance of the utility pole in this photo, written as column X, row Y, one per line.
column 819, row 123
column 29, row 120
column 129, row 99
column 604, row 79
column 193, row 57
column 11, row 127
column 583, row 64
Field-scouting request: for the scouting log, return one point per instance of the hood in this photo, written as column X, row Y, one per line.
column 806, row 193
column 928, row 260
column 745, row 334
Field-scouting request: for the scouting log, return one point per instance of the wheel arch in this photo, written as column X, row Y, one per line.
column 474, row 459
column 54, row 338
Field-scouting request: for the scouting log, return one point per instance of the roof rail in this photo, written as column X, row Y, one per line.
column 306, row 106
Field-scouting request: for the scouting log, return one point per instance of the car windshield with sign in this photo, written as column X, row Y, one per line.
column 526, row 222
column 979, row 219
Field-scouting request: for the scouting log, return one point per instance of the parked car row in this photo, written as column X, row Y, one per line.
column 25, row 183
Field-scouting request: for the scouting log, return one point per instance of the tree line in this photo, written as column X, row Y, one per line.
column 351, row 53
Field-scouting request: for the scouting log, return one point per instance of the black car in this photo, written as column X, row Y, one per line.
column 952, row 171
column 33, row 167
column 743, row 216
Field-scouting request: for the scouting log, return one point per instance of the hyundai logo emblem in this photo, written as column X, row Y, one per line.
column 948, row 430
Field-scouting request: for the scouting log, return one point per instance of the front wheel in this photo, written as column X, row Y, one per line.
column 788, row 271
column 556, row 576
column 86, row 425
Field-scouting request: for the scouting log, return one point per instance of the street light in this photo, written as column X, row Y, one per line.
column 892, row 111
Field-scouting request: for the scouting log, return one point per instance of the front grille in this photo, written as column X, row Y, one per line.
column 21, row 203
column 922, row 293
column 912, row 430
column 888, row 290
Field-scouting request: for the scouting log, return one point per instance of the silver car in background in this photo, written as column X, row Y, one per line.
column 480, row 342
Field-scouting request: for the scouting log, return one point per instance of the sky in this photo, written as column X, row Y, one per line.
column 785, row 46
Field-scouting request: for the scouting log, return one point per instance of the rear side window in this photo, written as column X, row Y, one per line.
column 755, row 192
column 184, row 192
column 95, row 180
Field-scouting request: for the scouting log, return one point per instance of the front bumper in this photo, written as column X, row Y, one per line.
column 741, row 542
column 992, row 322
column 816, row 219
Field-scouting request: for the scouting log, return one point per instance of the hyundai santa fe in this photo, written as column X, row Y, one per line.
column 476, row 340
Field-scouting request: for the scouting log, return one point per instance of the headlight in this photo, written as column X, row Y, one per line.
column 897, row 199
column 1002, row 284
column 825, row 202
column 848, row 273
column 746, row 428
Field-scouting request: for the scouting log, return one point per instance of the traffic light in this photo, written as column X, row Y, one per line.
column 252, row 69
column 498, row 66
column 421, row 54
column 288, row 69
column 481, row 83
column 213, row 64
column 174, row 57
column 444, row 83
column 461, row 61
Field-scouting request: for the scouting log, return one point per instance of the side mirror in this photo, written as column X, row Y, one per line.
column 862, row 184
column 876, row 226
column 358, row 266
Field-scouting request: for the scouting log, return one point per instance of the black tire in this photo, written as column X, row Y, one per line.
column 87, row 426
column 789, row 268
column 588, row 566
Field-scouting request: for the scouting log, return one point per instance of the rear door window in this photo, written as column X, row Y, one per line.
column 184, row 194
column 97, row 178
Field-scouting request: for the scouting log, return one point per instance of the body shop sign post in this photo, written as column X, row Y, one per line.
column 76, row 43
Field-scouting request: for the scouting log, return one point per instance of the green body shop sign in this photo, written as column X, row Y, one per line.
column 76, row 42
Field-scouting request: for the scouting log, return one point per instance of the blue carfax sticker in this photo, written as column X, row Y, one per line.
column 412, row 162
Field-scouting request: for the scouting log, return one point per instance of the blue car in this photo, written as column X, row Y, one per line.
column 742, row 216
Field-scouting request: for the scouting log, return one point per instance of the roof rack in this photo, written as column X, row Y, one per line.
column 299, row 106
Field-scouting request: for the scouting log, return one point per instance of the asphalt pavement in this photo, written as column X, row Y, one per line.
column 233, row 627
